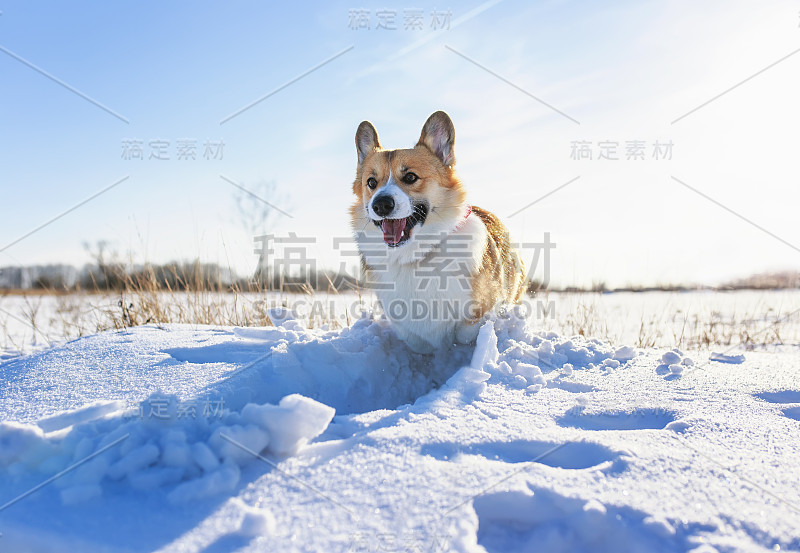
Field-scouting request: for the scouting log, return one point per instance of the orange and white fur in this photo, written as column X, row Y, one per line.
column 438, row 265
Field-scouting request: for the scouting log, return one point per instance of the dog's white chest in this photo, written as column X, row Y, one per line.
column 429, row 299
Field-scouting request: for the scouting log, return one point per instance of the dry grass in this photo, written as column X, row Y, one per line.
column 59, row 317
column 711, row 320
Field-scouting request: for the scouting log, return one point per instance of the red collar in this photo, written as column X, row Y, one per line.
column 463, row 221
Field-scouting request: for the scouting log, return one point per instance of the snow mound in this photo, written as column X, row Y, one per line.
column 276, row 403
column 673, row 363
column 520, row 348
column 354, row 370
column 200, row 456
column 366, row 367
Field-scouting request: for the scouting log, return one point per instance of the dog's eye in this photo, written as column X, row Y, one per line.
column 410, row 178
column 372, row 183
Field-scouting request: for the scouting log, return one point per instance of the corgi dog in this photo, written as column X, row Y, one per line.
column 437, row 263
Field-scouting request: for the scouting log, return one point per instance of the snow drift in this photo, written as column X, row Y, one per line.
column 286, row 438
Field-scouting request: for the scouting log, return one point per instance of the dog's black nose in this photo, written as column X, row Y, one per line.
column 383, row 205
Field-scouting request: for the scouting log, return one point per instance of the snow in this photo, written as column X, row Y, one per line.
column 624, row 353
column 673, row 363
column 181, row 438
column 255, row 522
column 539, row 519
column 724, row 358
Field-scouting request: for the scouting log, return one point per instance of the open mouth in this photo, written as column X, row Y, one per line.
column 398, row 231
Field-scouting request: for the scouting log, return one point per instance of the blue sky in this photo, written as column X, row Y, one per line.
column 625, row 71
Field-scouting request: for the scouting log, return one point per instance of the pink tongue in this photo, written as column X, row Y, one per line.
column 393, row 230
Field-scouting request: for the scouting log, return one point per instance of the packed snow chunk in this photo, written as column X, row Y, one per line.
column 471, row 383
column 575, row 355
column 176, row 454
column 688, row 362
column 580, row 353
column 545, row 350
column 90, row 472
column 255, row 334
column 204, row 457
column 514, row 352
column 239, row 443
column 522, row 375
column 255, row 522
column 678, row 426
column 567, row 369
column 84, row 414
column 155, row 478
column 22, row 443
column 624, row 354
column 671, row 358
column 222, row 480
column 504, row 368
column 659, row 526
column 676, row 369
column 286, row 318
column 532, row 373
column 471, row 375
column 135, row 460
column 486, row 352
column 723, row 358
column 80, row 493
column 85, row 446
column 595, row 507
column 519, row 381
column 292, row 423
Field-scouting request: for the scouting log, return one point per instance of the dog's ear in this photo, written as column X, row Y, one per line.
column 439, row 136
column 366, row 140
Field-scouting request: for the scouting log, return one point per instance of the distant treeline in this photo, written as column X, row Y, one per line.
column 192, row 276
column 177, row 276
column 766, row 281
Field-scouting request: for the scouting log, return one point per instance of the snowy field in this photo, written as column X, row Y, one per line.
column 198, row 438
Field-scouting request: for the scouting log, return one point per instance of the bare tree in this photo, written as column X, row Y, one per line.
column 257, row 211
